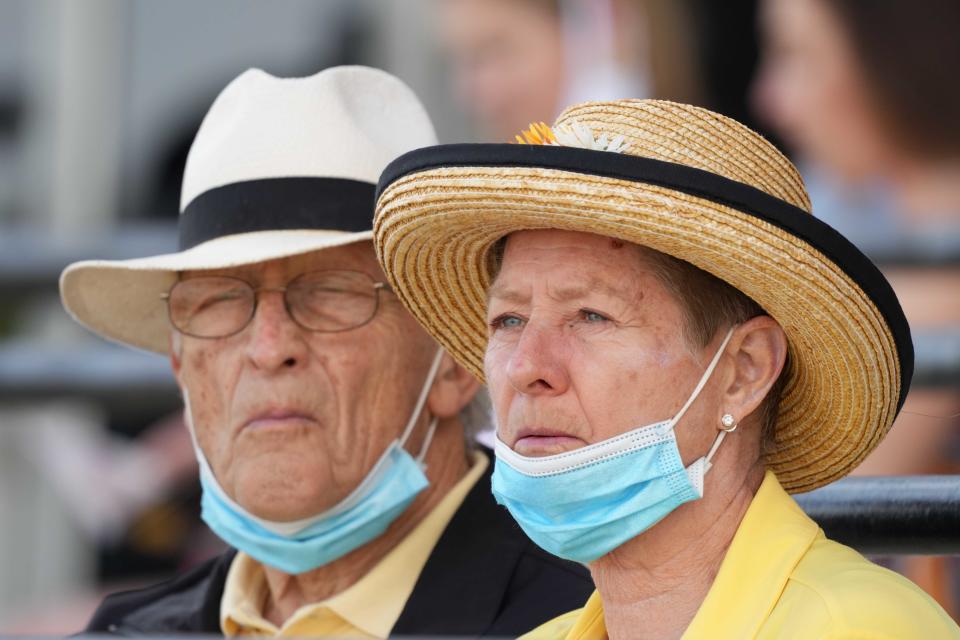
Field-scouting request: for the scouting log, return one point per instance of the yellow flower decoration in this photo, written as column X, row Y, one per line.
column 538, row 133
column 571, row 134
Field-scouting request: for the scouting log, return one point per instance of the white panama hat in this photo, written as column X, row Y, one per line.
column 279, row 167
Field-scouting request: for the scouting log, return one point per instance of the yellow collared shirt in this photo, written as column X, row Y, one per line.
column 781, row 578
column 367, row 609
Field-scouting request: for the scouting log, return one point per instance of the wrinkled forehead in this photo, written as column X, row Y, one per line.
column 562, row 246
column 357, row 256
column 600, row 262
column 558, row 238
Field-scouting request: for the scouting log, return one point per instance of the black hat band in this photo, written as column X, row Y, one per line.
column 272, row 204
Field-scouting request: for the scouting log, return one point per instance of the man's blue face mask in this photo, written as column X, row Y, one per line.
column 303, row 545
column 583, row 504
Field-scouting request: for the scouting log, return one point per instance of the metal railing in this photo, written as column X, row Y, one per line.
column 890, row 515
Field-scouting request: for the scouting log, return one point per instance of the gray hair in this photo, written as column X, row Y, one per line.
column 477, row 417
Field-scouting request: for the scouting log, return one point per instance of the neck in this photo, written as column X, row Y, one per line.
column 929, row 192
column 446, row 464
column 671, row 566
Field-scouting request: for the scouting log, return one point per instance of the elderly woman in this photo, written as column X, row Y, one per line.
column 673, row 344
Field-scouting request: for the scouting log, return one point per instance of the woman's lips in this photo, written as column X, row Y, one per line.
column 545, row 445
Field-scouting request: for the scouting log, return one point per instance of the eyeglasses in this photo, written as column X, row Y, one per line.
column 321, row 301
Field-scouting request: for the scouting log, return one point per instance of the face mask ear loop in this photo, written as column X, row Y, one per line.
column 422, row 400
column 207, row 471
column 703, row 379
column 188, row 419
column 716, row 445
column 205, row 468
column 426, row 442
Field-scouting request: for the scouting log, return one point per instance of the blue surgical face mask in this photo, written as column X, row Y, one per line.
column 583, row 504
column 295, row 547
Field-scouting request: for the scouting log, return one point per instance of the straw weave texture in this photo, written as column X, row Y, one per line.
column 434, row 230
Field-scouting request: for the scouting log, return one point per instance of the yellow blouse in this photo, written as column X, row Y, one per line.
column 781, row 578
column 367, row 609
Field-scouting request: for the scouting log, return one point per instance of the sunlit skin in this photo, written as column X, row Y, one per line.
column 585, row 344
column 574, row 321
column 291, row 420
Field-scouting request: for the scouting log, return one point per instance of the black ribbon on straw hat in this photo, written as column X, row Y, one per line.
column 691, row 181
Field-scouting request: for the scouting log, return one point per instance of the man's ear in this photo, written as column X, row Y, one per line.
column 759, row 351
column 452, row 390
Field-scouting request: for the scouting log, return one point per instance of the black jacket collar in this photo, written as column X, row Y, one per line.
column 482, row 543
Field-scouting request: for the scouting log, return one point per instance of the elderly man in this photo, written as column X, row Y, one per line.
column 672, row 344
column 326, row 423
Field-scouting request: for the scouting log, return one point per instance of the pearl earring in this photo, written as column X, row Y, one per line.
column 729, row 423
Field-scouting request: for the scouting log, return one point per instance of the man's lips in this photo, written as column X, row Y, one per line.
column 277, row 418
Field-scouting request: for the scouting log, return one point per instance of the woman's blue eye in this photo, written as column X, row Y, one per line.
column 506, row 322
column 509, row 322
column 593, row 316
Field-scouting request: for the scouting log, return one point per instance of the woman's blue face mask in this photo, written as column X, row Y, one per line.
column 583, row 504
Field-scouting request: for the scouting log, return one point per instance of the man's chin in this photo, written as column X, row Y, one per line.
column 286, row 508
column 283, row 487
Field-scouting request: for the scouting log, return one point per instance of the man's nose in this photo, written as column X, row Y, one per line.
column 536, row 365
column 275, row 340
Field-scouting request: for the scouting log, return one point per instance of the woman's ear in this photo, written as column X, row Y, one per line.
column 759, row 350
column 453, row 388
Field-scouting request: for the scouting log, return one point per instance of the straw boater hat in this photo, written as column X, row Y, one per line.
column 687, row 182
column 279, row 167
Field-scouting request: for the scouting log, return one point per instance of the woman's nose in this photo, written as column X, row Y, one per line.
column 536, row 365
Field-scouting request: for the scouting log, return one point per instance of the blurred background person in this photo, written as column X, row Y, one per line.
column 866, row 94
column 518, row 61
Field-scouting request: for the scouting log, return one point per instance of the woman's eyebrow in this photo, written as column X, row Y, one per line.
column 566, row 293
column 563, row 293
column 501, row 292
